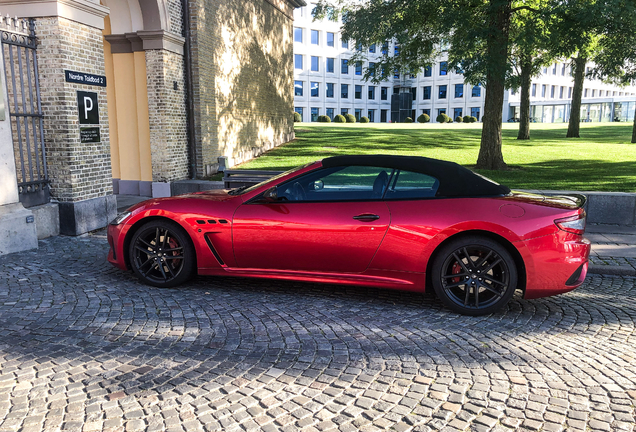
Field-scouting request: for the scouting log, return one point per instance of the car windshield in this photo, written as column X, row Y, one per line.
column 245, row 189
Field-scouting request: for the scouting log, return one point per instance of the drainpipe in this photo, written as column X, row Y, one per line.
column 187, row 59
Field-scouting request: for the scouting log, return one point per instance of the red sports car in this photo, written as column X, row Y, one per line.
column 386, row 221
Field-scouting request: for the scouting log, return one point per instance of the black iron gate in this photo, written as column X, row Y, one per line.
column 25, row 109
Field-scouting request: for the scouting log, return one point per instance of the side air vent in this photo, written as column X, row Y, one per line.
column 211, row 246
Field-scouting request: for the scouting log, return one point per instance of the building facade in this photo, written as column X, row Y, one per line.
column 327, row 83
column 133, row 95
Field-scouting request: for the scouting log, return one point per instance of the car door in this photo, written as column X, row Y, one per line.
column 329, row 220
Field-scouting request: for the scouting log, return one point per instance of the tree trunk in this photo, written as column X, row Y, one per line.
column 490, row 154
column 634, row 129
column 524, row 115
column 577, row 93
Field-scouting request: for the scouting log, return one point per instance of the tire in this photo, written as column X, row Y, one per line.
column 474, row 275
column 161, row 254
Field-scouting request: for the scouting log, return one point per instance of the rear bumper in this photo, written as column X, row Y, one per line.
column 557, row 264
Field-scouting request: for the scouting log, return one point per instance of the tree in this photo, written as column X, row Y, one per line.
column 528, row 54
column 616, row 52
column 476, row 34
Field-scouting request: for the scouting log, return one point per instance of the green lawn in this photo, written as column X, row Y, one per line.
column 602, row 160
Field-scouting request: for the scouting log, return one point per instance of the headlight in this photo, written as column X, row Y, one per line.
column 120, row 218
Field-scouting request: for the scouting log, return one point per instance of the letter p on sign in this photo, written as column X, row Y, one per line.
column 87, row 107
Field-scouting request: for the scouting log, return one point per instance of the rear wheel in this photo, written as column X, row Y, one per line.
column 161, row 254
column 474, row 275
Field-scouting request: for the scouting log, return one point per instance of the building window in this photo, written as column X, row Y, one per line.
column 344, row 67
column 344, row 111
column 299, row 110
column 329, row 93
column 345, row 43
column 385, row 48
column 593, row 93
column 358, row 92
column 383, row 115
column 570, row 93
column 561, row 92
column 600, row 93
column 396, row 50
column 396, row 90
column 315, row 89
column 442, row 92
column 427, row 92
column 358, row 68
column 315, row 37
column 314, row 114
column 396, row 74
column 443, row 68
column 552, row 91
column 358, row 114
column 474, row 112
column 384, row 93
column 413, row 93
column 426, row 111
column 428, row 71
column 544, row 89
column 371, row 115
column 330, row 39
column 330, row 113
column 441, row 111
column 563, row 70
column 330, row 62
column 371, row 69
column 298, row 34
column 459, row 90
column 298, row 61
column 371, row 92
column 476, row 91
column 315, row 63
column 585, row 93
column 298, row 88
column 457, row 112
column 554, row 69
column 534, row 90
column 344, row 91
column 372, row 48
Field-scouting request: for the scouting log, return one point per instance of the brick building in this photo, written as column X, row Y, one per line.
column 170, row 86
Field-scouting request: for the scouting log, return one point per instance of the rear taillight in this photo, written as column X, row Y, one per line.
column 572, row 224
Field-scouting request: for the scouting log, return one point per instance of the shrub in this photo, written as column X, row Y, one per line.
column 297, row 117
column 350, row 118
column 467, row 119
column 442, row 118
column 364, row 119
column 471, row 119
column 408, row 120
column 424, row 118
column 459, row 119
column 339, row 119
column 324, row 119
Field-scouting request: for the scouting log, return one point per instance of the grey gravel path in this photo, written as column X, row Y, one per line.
column 85, row 347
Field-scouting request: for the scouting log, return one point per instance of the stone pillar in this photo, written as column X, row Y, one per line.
column 17, row 227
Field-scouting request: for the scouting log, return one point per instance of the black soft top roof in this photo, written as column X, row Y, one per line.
column 454, row 179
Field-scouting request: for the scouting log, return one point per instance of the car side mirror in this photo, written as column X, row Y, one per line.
column 271, row 194
column 319, row 184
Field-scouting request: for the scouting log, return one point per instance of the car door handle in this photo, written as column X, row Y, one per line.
column 367, row 217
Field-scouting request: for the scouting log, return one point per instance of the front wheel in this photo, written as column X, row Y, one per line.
column 161, row 254
column 474, row 275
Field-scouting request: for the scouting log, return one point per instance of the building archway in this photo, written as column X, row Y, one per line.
column 131, row 30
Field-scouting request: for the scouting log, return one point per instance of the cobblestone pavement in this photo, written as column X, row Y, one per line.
column 84, row 346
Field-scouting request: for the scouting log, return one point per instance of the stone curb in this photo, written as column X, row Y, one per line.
column 612, row 270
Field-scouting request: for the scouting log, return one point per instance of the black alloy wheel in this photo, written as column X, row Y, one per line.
column 474, row 275
column 161, row 254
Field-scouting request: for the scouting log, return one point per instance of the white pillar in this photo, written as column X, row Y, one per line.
column 17, row 225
